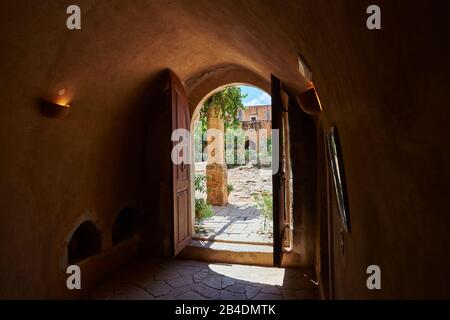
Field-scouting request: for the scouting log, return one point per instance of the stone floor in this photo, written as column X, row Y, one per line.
column 235, row 223
column 195, row 280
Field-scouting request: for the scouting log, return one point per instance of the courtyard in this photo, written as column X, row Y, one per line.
column 240, row 220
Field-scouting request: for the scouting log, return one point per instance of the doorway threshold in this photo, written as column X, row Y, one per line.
column 229, row 252
column 217, row 239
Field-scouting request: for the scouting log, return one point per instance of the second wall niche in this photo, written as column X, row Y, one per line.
column 86, row 241
column 126, row 225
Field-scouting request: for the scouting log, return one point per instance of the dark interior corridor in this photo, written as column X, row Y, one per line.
column 85, row 133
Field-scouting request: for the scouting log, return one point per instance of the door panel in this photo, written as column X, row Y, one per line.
column 279, row 178
column 182, row 225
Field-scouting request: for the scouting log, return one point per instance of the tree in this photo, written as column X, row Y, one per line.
column 229, row 101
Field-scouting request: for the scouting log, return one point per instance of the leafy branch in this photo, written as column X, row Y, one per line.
column 229, row 102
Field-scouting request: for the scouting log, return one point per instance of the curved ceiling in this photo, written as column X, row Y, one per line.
column 122, row 43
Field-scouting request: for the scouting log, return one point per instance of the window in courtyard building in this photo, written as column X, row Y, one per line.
column 241, row 115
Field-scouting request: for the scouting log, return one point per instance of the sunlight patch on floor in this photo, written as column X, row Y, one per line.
column 254, row 274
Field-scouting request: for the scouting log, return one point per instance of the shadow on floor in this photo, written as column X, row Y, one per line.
column 235, row 223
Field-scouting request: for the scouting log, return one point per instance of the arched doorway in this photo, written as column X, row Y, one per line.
column 246, row 215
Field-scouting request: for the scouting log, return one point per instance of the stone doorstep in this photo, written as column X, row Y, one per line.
column 250, row 233
column 209, row 239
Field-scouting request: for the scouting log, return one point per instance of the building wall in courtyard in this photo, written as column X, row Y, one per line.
column 256, row 113
column 257, row 118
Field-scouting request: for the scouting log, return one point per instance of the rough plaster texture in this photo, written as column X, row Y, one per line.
column 387, row 92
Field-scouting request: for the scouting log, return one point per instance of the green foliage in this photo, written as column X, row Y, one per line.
column 269, row 146
column 265, row 205
column 233, row 138
column 202, row 210
column 229, row 100
column 200, row 183
column 199, row 144
column 230, row 188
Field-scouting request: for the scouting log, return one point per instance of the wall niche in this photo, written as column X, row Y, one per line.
column 126, row 225
column 86, row 241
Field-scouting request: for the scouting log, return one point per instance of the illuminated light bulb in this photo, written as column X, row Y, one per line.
column 58, row 107
column 63, row 102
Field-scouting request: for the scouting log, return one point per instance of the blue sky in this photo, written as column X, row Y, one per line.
column 255, row 96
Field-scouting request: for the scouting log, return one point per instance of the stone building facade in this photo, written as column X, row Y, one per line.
column 256, row 122
column 256, row 118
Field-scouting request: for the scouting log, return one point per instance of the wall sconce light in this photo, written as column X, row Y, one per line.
column 55, row 110
column 303, row 68
column 309, row 101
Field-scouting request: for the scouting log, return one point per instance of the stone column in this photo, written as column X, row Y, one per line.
column 216, row 168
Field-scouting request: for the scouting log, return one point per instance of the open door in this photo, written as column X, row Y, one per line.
column 279, row 166
column 182, row 222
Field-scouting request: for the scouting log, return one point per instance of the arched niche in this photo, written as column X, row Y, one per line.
column 84, row 243
column 126, row 225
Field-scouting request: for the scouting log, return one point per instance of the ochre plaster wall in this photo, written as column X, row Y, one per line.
column 387, row 92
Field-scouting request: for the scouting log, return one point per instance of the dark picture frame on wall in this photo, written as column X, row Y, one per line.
column 337, row 171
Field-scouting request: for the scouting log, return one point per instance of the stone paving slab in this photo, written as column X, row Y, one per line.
column 240, row 220
column 235, row 223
